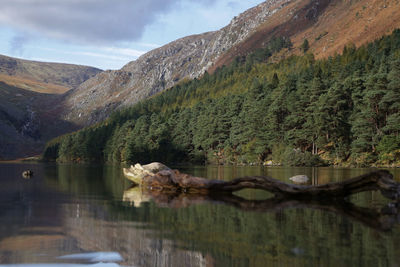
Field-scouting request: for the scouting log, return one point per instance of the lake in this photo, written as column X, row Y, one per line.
column 77, row 215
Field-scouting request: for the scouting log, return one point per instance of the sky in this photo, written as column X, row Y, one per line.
column 105, row 34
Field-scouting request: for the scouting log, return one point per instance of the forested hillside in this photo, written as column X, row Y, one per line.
column 300, row 111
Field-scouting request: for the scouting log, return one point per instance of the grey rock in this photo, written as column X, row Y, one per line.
column 27, row 174
column 300, row 179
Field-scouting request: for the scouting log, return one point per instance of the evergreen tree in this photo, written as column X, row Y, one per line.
column 391, row 100
column 305, row 46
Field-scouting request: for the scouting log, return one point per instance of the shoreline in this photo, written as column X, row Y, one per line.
column 33, row 159
column 38, row 159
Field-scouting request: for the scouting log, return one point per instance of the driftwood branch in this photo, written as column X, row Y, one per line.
column 168, row 180
column 171, row 188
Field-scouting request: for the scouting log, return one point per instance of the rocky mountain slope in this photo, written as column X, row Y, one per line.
column 185, row 58
column 30, row 97
column 36, row 102
column 329, row 25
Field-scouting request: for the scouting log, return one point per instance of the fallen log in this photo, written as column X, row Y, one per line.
column 168, row 180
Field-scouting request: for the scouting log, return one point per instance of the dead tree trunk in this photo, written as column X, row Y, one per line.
column 169, row 180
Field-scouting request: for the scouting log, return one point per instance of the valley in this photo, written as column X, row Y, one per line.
column 31, row 95
column 264, row 118
column 27, row 120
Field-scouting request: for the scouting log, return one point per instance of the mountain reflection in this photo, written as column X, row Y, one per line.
column 96, row 230
column 60, row 265
column 74, row 210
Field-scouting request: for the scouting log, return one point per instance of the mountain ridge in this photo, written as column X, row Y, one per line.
column 328, row 25
column 189, row 57
column 30, row 74
column 186, row 58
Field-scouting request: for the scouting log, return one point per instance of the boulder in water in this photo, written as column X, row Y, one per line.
column 27, row 174
column 299, row 179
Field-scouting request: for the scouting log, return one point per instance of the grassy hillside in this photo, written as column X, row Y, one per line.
column 43, row 77
column 300, row 111
column 33, row 85
column 328, row 25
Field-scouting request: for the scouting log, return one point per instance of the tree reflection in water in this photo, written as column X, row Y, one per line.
column 382, row 219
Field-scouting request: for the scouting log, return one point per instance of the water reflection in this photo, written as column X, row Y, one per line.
column 317, row 175
column 94, row 257
column 98, row 259
column 136, row 196
column 67, row 209
column 61, row 265
column 382, row 219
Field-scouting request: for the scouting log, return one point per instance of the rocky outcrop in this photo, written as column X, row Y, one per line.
column 161, row 68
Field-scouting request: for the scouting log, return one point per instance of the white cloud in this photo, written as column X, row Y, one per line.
column 124, row 51
column 115, row 53
column 98, row 55
column 87, row 21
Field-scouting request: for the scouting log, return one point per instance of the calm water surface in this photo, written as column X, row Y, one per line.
column 82, row 215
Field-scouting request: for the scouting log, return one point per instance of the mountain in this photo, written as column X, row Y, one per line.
column 43, row 77
column 41, row 100
column 161, row 68
column 328, row 25
column 300, row 111
column 30, row 97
